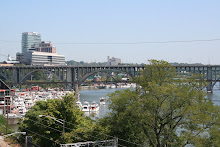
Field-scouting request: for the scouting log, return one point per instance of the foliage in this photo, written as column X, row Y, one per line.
column 39, row 75
column 19, row 65
column 3, row 124
column 44, row 128
column 81, row 63
column 166, row 111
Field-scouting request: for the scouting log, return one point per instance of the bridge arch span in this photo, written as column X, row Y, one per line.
column 5, row 78
column 29, row 74
column 87, row 75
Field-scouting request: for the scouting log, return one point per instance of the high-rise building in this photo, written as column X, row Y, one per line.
column 37, row 52
column 30, row 40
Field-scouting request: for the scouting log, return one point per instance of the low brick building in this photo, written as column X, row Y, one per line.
column 5, row 98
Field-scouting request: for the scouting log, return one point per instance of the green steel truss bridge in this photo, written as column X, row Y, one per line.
column 74, row 76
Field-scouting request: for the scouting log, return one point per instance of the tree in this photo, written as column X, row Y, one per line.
column 44, row 128
column 3, row 124
column 39, row 75
column 166, row 111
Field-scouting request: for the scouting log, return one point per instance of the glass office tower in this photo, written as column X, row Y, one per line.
column 30, row 40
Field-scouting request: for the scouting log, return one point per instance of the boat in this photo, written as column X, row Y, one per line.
column 94, row 107
column 112, row 86
column 108, row 86
column 102, row 101
column 79, row 104
column 126, row 86
column 101, row 87
column 86, row 107
column 22, row 110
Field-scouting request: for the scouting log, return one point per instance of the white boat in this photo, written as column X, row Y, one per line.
column 18, row 102
column 112, row 86
column 126, row 86
column 19, row 105
column 22, row 110
column 94, row 107
column 102, row 101
column 79, row 104
column 86, row 107
column 133, row 85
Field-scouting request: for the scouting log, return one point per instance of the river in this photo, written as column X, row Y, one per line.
column 94, row 95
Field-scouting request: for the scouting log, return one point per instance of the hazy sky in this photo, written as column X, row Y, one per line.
column 116, row 21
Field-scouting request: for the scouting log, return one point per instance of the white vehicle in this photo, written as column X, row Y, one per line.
column 94, row 107
column 102, row 101
column 86, row 107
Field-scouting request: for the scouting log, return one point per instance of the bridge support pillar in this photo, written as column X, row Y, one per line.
column 15, row 76
column 209, row 78
column 69, row 78
column 76, row 88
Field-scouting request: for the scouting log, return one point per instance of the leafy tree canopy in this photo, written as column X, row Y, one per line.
column 165, row 111
column 3, row 124
column 43, row 129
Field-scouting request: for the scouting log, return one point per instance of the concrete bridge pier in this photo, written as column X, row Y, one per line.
column 69, row 78
column 209, row 78
column 76, row 88
column 15, row 76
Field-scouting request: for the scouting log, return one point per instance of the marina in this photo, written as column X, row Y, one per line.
column 21, row 100
column 91, row 101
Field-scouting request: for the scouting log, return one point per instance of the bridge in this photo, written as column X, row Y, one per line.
column 74, row 76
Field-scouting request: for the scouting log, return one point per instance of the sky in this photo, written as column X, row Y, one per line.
column 91, row 30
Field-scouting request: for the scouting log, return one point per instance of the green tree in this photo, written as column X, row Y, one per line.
column 44, row 128
column 3, row 124
column 39, row 75
column 165, row 111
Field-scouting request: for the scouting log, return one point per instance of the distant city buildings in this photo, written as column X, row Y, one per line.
column 30, row 40
column 46, row 47
column 113, row 61
column 37, row 52
column 10, row 61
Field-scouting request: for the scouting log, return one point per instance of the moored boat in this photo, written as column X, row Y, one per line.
column 102, row 101
column 86, row 107
column 79, row 104
column 94, row 107
column 112, row 86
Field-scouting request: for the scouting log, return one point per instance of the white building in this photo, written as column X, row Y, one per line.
column 113, row 61
column 37, row 52
column 42, row 58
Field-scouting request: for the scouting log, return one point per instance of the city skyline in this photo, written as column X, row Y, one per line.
column 79, row 30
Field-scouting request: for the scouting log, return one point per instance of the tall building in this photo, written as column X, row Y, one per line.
column 37, row 52
column 30, row 40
